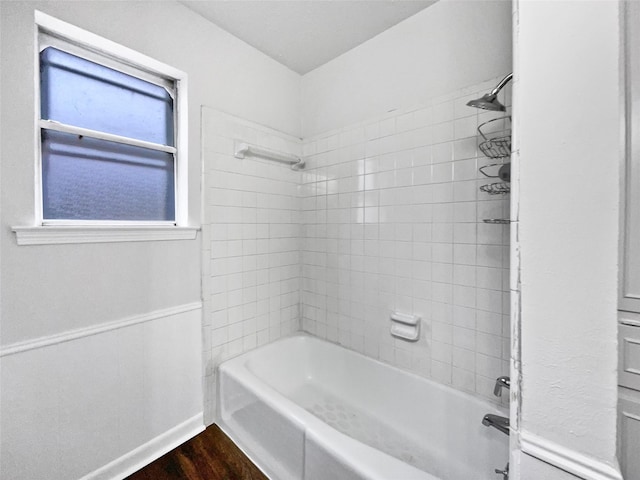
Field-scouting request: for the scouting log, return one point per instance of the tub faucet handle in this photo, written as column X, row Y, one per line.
column 504, row 473
column 501, row 382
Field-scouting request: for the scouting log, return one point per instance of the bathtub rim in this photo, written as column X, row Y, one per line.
column 245, row 357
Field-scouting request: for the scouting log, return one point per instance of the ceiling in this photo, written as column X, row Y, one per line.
column 304, row 34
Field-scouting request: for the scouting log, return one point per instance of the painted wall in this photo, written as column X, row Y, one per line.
column 533, row 469
column 447, row 46
column 56, row 400
column 393, row 221
column 229, row 81
column 568, row 140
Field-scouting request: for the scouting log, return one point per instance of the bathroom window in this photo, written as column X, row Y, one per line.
column 111, row 140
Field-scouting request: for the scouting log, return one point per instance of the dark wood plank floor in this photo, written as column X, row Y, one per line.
column 210, row 455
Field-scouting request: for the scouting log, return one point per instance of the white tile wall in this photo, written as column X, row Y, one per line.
column 251, row 243
column 392, row 221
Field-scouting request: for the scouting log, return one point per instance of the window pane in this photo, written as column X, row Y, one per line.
column 88, row 179
column 82, row 93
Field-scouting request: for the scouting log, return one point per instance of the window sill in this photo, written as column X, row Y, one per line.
column 49, row 235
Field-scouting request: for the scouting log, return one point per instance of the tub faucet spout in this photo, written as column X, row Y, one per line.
column 497, row 422
column 501, row 382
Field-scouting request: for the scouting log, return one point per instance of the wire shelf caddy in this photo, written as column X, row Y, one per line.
column 499, row 221
column 498, row 188
column 496, row 141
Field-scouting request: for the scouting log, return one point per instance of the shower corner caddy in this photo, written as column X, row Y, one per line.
column 496, row 144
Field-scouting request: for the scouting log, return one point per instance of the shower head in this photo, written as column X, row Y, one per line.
column 490, row 100
column 487, row 102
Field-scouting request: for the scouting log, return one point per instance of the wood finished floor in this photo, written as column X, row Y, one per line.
column 211, row 455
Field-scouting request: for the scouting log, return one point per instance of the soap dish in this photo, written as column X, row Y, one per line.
column 405, row 327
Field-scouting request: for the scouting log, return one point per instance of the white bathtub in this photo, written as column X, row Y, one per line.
column 303, row 408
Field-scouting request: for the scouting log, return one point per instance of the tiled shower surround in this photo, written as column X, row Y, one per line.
column 386, row 216
column 251, row 243
column 392, row 221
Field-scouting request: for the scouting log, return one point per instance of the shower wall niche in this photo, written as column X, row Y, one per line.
column 392, row 220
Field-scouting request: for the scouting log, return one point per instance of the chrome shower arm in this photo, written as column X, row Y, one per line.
column 502, row 83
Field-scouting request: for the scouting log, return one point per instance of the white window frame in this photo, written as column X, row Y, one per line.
column 119, row 57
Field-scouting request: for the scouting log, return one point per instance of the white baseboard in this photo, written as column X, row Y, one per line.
column 566, row 459
column 148, row 452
